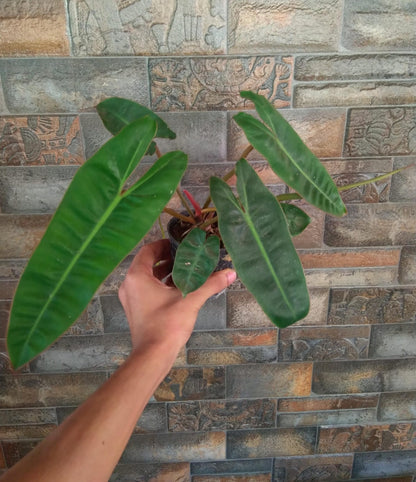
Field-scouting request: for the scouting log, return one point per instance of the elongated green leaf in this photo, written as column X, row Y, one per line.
column 257, row 238
column 96, row 225
column 288, row 156
column 117, row 112
column 297, row 220
column 196, row 258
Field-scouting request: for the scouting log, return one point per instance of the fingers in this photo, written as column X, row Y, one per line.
column 214, row 284
column 149, row 255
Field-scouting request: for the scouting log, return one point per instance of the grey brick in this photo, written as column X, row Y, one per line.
column 33, row 189
column 397, row 406
column 232, row 356
column 270, row 442
column 270, row 26
column 383, row 224
column 70, row 85
column 172, row 447
column 3, row 107
column 388, row 341
column 354, row 94
column 384, row 464
column 364, row 376
column 379, row 275
column 115, row 320
column 407, row 268
column 403, row 184
column 381, row 25
column 147, row 472
column 229, row 338
column 329, row 417
column 94, row 133
column 28, row 416
column 355, row 67
column 280, row 380
column 231, row 467
column 212, row 315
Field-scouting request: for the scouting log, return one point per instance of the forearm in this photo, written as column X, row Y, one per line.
column 88, row 445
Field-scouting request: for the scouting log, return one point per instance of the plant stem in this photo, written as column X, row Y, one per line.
column 184, row 202
column 158, row 153
column 208, row 222
column 177, row 215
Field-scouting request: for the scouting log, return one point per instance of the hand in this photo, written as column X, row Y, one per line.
column 157, row 312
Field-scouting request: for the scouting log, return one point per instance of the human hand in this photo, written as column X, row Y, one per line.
column 157, row 313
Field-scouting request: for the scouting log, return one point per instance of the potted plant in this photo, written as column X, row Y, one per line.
column 102, row 217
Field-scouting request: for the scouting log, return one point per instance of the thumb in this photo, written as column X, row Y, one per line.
column 214, row 284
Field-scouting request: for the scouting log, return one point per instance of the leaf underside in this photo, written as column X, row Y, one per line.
column 297, row 220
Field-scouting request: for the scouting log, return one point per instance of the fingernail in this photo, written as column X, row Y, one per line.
column 231, row 277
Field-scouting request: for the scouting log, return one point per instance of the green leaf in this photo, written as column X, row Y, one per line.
column 96, row 225
column 117, row 112
column 256, row 236
column 196, row 258
column 288, row 156
column 297, row 220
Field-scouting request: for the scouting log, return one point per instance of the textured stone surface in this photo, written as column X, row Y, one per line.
column 388, row 341
column 151, row 472
column 243, row 311
column 33, row 189
column 379, row 25
column 372, row 306
column 321, row 130
column 318, row 307
column 403, row 183
column 397, row 406
column 377, row 276
column 333, row 417
column 364, row 376
column 369, row 438
column 354, row 94
column 192, row 384
column 33, row 28
column 94, row 133
column 221, row 415
column 72, row 84
column 407, row 268
column 317, row 467
column 26, row 431
column 147, row 28
column 28, row 416
column 91, row 322
column 325, row 403
column 319, row 343
column 37, row 140
column 312, row 236
column 214, row 83
column 48, row 390
column 232, row 356
column 384, row 464
column 270, row 442
column 348, row 258
column 381, row 132
column 16, row 450
column 383, row 224
column 212, row 315
column 264, row 26
column 233, row 478
column 222, row 338
column 354, row 67
column 247, row 466
column 281, row 380
column 175, row 447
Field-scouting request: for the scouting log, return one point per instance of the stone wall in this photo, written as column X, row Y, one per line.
column 332, row 397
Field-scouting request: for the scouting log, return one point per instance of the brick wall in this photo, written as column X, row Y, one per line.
column 332, row 397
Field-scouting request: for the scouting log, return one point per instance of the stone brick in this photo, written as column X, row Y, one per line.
column 368, row 438
column 383, row 224
column 95, row 135
column 192, row 384
column 33, row 189
column 403, row 183
column 397, row 406
column 91, row 322
column 7, row 289
column 224, row 338
column 3, row 107
column 380, row 132
column 247, row 466
column 319, row 298
column 312, row 236
column 221, row 415
column 321, row 130
column 243, row 311
column 21, row 234
column 200, row 83
column 73, row 84
column 355, row 67
column 151, row 472
column 48, row 390
column 407, row 268
column 333, row 417
column 115, row 320
column 373, row 464
column 201, row 135
column 175, row 447
column 372, row 306
column 232, row 356
column 325, row 403
column 270, row 442
column 213, row 314
column 28, row 416
column 392, row 341
column 233, row 478
column 33, row 28
column 5, row 363
column 379, row 26
column 354, row 94
column 323, row 343
column 16, row 450
column 12, row 269
column 20, row 432
column 280, row 380
column 364, row 376
column 268, row 26
column 2, row 460
column 5, row 306
column 40, row 140
column 114, row 280
column 152, row 28
column 317, row 467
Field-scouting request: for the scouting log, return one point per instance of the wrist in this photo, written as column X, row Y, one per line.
column 164, row 353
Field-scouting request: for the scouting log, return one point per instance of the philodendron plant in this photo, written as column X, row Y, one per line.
column 102, row 217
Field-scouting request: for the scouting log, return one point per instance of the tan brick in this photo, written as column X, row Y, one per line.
column 243, row 311
column 327, row 403
column 5, row 306
column 312, row 236
column 232, row 356
column 33, row 28
column 7, row 289
column 319, row 298
column 210, row 339
column 26, row 431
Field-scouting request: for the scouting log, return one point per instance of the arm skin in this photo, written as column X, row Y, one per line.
column 89, row 443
